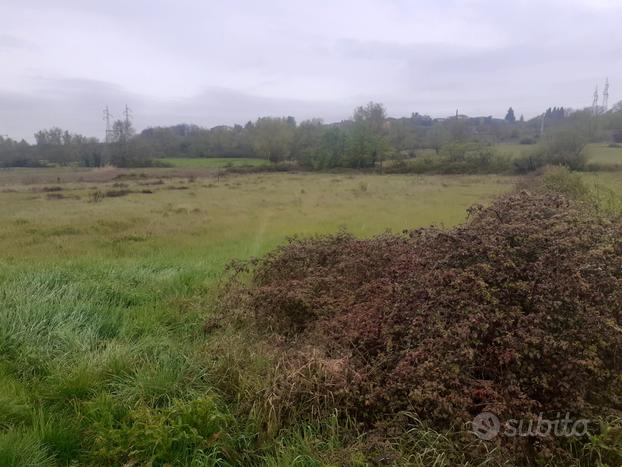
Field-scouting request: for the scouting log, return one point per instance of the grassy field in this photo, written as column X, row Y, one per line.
column 106, row 285
column 214, row 162
column 604, row 155
column 598, row 153
column 241, row 214
column 513, row 150
column 611, row 180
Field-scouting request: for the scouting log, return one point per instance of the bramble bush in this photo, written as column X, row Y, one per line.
column 517, row 312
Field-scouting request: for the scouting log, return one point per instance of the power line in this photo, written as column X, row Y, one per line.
column 128, row 115
column 107, row 117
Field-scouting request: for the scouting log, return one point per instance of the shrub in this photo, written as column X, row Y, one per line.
column 563, row 148
column 572, row 185
column 561, row 180
column 455, row 159
column 516, row 312
column 116, row 193
column 530, row 161
column 567, row 149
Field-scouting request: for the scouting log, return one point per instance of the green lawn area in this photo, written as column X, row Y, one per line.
column 213, row 162
column 103, row 357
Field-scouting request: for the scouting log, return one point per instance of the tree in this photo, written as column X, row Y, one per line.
column 372, row 116
column 51, row 137
column 89, row 152
column 272, row 138
column 460, row 130
column 367, row 142
column 307, row 142
column 122, row 133
column 402, row 136
column 332, row 148
column 510, row 117
column 16, row 154
column 437, row 137
column 364, row 149
column 62, row 147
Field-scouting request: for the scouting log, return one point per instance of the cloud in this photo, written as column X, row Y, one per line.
column 74, row 104
column 78, row 104
column 8, row 41
column 231, row 61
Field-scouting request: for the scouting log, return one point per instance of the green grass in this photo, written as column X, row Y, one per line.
column 213, row 162
column 598, row 153
column 612, row 180
column 606, row 189
column 237, row 216
column 604, row 155
column 103, row 358
column 512, row 149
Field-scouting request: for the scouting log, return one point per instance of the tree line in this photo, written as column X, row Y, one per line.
column 367, row 139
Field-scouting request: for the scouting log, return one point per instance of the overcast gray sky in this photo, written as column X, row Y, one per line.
column 220, row 62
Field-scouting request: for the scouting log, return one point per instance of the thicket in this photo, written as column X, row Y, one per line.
column 563, row 149
column 456, row 159
column 516, row 312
